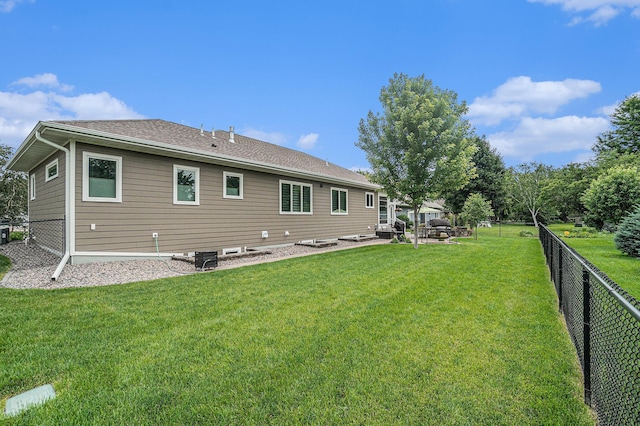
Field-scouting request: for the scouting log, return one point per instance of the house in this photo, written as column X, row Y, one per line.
column 429, row 210
column 124, row 189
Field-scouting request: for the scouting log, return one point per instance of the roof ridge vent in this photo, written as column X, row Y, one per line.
column 231, row 135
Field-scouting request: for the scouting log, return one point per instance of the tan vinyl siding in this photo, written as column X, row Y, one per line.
column 49, row 201
column 47, row 210
column 217, row 223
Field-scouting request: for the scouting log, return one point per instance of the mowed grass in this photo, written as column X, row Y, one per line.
column 5, row 264
column 443, row 335
column 602, row 252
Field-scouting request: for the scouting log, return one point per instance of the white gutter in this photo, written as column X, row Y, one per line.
column 67, row 203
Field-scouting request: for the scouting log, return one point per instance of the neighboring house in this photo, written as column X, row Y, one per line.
column 429, row 210
column 115, row 184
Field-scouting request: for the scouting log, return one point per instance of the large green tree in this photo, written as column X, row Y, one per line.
column 418, row 146
column 525, row 186
column 612, row 196
column 489, row 179
column 624, row 137
column 13, row 189
column 565, row 188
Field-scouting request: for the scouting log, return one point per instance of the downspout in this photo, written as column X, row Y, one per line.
column 67, row 203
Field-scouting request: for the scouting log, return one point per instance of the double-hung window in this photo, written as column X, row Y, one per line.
column 369, row 200
column 339, row 201
column 186, row 185
column 232, row 185
column 101, row 178
column 51, row 171
column 295, row 198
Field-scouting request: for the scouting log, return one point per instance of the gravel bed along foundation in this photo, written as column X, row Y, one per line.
column 33, row 267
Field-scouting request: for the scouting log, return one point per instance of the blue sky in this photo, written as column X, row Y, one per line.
column 540, row 77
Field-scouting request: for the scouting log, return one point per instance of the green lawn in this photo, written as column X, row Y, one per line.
column 602, row 252
column 5, row 264
column 447, row 334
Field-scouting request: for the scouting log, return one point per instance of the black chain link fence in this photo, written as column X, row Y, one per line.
column 47, row 234
column 604, row 324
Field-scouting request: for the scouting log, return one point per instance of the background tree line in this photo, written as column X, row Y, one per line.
column 421, row 148
column 13, row 189
column 602, row 191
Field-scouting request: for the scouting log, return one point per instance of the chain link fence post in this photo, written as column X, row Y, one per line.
column 586, row 335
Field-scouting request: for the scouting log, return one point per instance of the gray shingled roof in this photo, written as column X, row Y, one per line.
column 244, row 148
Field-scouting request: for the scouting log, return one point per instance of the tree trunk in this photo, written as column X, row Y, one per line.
column 534, row 215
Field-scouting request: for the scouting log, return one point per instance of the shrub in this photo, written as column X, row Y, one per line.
column 586, row 232
column 405, row 219
column 16, row 235
column 627, row 238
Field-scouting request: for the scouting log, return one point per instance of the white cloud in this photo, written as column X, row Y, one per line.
column 308, row 141
column 277, row 138
column 534, row 136
column 7, row 6
column 43, row 80
column 607, row 109
column 94, row 106
column 598, row 12
column 520, row 96
column 19, row 112
column 603, row 15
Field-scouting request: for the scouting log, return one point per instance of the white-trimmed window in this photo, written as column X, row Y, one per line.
column 101, row 178
column 186, row 185
column 232, row 185
column 369, row 200
column 339, row 198
column 296, row 198
column 32, row 187
column 51, row 171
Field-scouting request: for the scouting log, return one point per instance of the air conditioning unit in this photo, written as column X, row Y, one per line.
column 206, row 260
